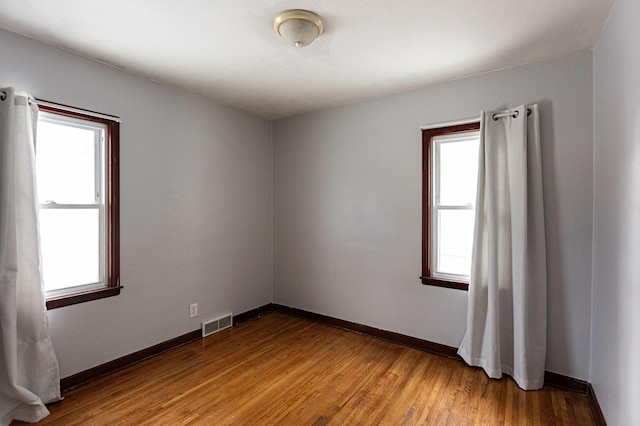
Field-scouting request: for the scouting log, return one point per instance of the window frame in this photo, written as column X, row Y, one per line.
column 427, row 276
column 111, row 231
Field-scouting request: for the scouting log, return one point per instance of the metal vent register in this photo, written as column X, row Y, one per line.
column 214, row 325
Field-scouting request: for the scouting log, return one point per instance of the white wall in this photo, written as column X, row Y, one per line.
column 615, row 350
column 347, row 206
column 195, row 204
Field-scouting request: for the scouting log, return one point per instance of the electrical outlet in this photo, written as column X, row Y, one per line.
column 193, row 310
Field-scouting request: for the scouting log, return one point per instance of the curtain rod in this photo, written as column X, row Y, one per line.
column 512, row 114
column 76, row 110
column 495, row 117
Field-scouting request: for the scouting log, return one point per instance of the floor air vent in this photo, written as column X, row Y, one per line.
column 214, row 325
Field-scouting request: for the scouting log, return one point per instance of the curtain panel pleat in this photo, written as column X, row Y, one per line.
column 507, row 308
column 29, row 375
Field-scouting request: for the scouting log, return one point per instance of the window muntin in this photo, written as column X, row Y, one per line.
column 78, row 185
column 450, row 166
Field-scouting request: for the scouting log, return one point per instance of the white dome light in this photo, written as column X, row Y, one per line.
column 298, row 27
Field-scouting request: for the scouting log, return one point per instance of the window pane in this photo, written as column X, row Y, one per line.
column 70, row 246
column 455, row 239
column 458, row 172
column 65, row 164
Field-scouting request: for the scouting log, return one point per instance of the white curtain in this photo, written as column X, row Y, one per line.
column 29, row 374
column 507, row 311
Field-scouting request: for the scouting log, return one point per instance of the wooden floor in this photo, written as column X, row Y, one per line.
column 282, row 370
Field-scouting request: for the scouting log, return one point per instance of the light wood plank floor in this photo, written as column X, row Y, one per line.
column 282, row 370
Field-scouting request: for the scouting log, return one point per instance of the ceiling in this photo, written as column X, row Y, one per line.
column 227, row 50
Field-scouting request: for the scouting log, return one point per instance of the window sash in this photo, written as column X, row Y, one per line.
column 436, row 271
column 436, row 168
column 102, row 248
column 99, row 147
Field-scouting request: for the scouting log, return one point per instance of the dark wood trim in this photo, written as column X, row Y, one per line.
column 390, row 336
column 426, row 202
column 458, row 285
column 596, row 411
column 71, row 111
column 127, row 360
column 112, row 210
column 427, row 194
column 113, row 203
column 563, row 382
column 72, row 299
column 253, row 313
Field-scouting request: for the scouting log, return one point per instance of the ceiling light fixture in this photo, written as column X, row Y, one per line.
column 298, row 27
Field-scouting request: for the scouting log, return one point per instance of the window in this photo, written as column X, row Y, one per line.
column 77, row 182
column 449, row 178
